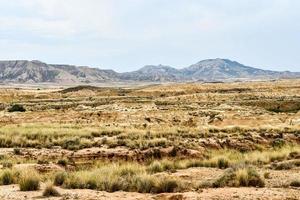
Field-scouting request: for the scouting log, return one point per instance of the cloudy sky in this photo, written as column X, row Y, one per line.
column 126, row 34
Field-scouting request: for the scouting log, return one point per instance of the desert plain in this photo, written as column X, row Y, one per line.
column 238, row 140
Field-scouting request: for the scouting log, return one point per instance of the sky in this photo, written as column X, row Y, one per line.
column 125, row 35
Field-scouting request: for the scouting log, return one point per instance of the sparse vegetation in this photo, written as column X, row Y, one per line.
column 295, row 183
column 7, row 177
column 7, row 164
column 153, row 139
column 29, row 180
column 16, row 108
column 50, row 191
column 62, row 162
column 267, row 175
column 240, row 177
column 17, row 151
column 60, row 178
column 128, row 177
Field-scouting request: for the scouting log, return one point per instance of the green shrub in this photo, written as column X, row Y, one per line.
column 17, row 151
column 174, row 151
column 62, row 162
column 91, row 184
column 278, row 143
column 222, row 163
column 16, row 108
column 60, row 178
column 71, row 144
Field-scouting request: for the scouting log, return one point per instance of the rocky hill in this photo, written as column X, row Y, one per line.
column 38, row 72
column 221, row 69
column 22, row 71
column 154, row 73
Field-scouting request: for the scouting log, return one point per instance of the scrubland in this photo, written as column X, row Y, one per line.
column 174, row 141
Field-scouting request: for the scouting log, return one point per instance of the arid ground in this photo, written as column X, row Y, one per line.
column 224, row 141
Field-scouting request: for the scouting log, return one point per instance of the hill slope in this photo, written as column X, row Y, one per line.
column 22, row 71
column 153, row 73
column 220, row 69
column 38, row 72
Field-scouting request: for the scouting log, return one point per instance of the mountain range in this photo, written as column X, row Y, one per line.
column 23, row 71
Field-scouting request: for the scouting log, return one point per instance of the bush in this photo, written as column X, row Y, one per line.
column 50, row 191
column 16, row 108
column 174, row 151
column 17, row 151
column 62, row 162
column 155, row 167
column 29, row 181
column 7, row 177
column 267, row 175
column 278, row 143
column 115, row 177
column 240, row 177
column 145, row 184
column 295, row 183
column 222, row 163
column 168, row 185
column 71, row 144
column 160, row 166
column 74, row 182
column 60, row 178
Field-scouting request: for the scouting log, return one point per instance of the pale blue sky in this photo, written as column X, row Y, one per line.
column 125, row 35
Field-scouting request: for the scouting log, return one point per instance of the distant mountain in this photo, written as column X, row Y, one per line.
column 220, row 69
column 22, row 71
column 153, row 73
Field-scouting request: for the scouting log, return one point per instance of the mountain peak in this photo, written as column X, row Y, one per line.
column 217, row 60
column 218, row 69
column 155, row 67
column 37, row 61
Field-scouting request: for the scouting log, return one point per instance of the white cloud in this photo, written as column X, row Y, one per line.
column 135, row 32
column 56, row 18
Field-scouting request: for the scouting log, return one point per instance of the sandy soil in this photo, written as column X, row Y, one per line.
column 12, row 192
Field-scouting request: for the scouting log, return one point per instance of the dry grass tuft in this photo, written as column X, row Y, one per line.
column 29, row 180
column 240, row 177
column 116, row 177
column 50, row 191
column 7, row 177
